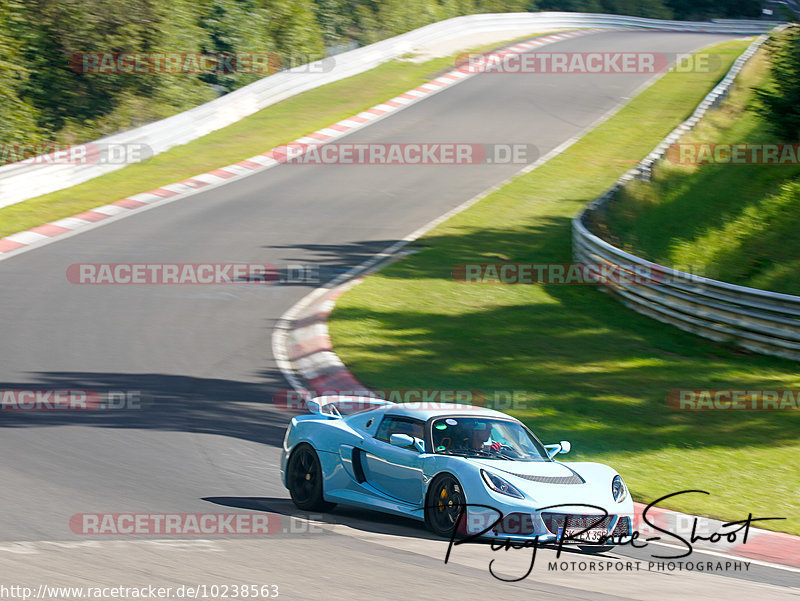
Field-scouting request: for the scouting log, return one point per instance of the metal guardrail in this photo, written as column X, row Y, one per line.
column 762, row 321
column 19, row 181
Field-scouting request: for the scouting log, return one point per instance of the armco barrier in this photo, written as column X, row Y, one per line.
column 762, row 321
column 19, row 182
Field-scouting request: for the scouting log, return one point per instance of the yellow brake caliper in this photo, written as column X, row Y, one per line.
column 442, row 497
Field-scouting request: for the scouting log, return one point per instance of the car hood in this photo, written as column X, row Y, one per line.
column 553, row 482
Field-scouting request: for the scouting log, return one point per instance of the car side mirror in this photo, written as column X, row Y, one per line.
column 317, row 406
column 405, row 441
column 554, row 449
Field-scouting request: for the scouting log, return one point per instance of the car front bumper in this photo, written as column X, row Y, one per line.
column 549, row 525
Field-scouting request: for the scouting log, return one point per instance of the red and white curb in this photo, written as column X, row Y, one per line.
column 49, row 232
column 310, row 350
column 762, row 546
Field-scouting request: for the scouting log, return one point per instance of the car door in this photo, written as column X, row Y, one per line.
column 394, row 471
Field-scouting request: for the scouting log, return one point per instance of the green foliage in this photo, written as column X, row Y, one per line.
column 231, row 26
column 744, row 218
column 334, row 20
column 500, row 6
column 706, row 9
column 57, row 29
column 17, row 117
column 399, row 16
column 294, row 27
column 657, row 9
column 42, row 97
column 779, row 102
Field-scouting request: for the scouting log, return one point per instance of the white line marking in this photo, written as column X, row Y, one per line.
column 236, row 169
column 72, row 223
column 208, row 178
column 110, row 210
column 262, row 160
column 27, row 237
column 147, row 197
column 178, row 188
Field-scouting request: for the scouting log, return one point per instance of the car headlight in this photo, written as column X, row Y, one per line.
column 618, row 490
column 497, row 484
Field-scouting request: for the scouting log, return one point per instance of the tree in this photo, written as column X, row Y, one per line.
column 17, row 117
column 293, row 25
column 779, row 103
column 59, row 29
column 230, row 27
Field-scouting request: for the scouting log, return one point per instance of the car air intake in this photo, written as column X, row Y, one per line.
column 515, row 523
column 571, row 479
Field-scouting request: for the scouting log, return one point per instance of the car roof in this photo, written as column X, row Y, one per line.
column 421, row 410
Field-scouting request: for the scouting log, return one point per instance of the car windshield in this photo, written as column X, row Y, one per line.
column 487, row 438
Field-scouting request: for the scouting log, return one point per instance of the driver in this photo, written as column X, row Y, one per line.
column 480, row 439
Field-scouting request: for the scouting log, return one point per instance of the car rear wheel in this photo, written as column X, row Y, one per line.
column 443, row 506
column 304, row 480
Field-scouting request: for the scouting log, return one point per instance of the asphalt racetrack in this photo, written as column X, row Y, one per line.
column 207, row 435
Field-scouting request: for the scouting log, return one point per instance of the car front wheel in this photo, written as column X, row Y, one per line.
column 444, row 504
column 304, row 480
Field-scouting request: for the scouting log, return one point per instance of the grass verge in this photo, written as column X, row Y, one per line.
column 589, row 370
column 744, row 218
column 277, row 124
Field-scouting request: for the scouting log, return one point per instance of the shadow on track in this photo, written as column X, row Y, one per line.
column 172, row 403
column 352, row 517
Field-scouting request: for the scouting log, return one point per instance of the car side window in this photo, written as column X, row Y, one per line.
column 399, row 425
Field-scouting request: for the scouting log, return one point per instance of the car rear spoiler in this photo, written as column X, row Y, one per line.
column 334, row 405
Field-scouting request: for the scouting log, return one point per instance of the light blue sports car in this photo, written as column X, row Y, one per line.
column 463, row 469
